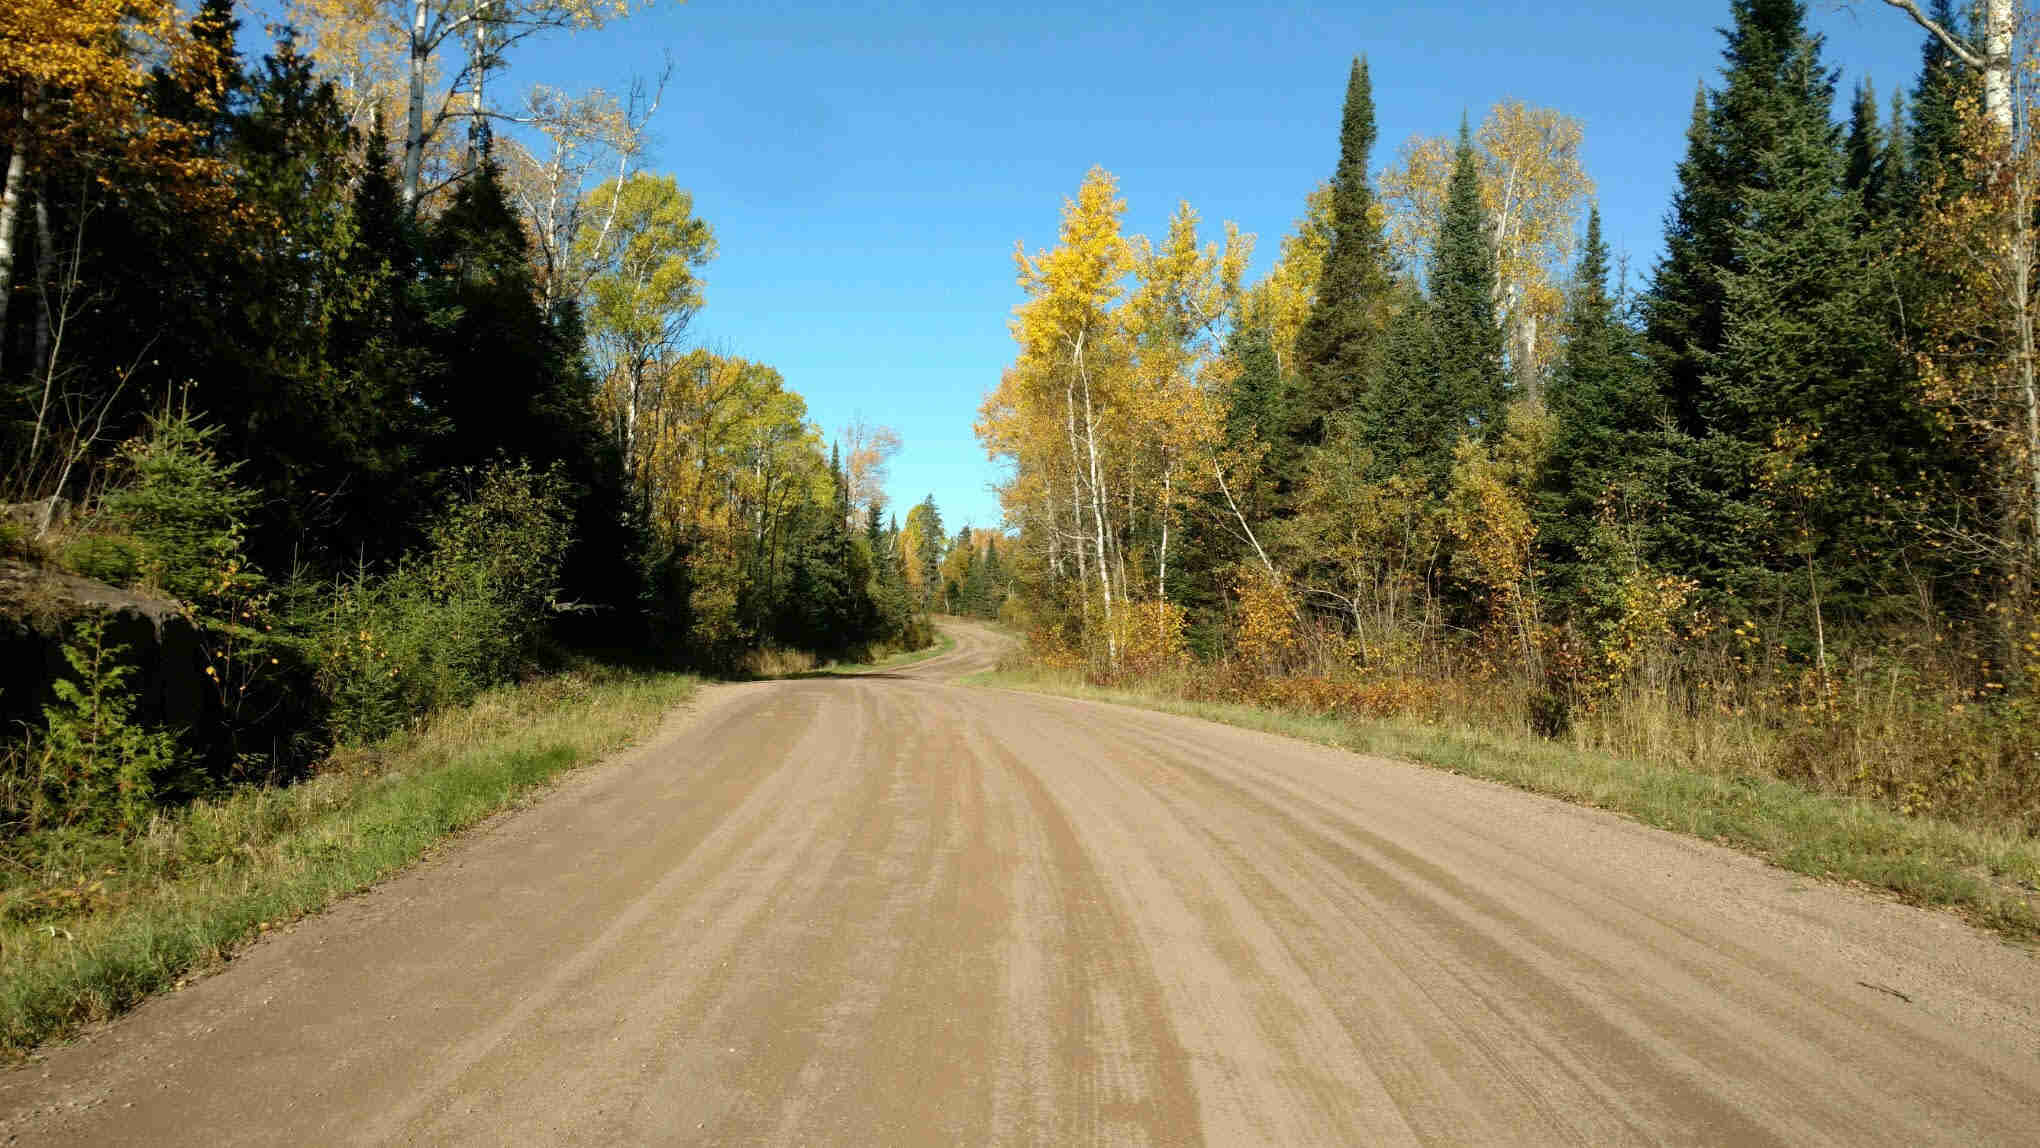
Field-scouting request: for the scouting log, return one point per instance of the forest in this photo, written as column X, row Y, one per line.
column 1768, row 508
column 374, row 379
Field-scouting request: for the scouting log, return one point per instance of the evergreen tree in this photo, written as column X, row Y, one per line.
column 928, row 558
column 992, row 580
column 1806, row 435
column 1336, row 342
column 1934, row 143
column 1259, row 413
column 1607, row 453
column 1405, row 419
column 1866, row 155
column 1727, row 134
column 1467, row 331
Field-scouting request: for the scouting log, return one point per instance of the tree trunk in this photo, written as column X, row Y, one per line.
column 45, row 274
column 414, row 105
column 1162, row 571
column 1994, row 61
column 480, row 67
column 1097, row 507
column 10, row 205
column 2000, row 26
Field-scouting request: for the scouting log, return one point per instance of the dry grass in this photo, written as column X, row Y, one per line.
column 1985, row 870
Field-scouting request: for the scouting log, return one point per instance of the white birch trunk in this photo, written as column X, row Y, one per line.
column 10, row 206
column 45, row 274
column 1098, row 513
column 2000, row 26
column 414, row 104
column 1162, row 566
column 1994, row 61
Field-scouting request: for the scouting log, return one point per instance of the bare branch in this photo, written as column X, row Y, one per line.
column 1962, row 51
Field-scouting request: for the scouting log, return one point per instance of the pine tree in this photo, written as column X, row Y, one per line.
column 1729, row 130
column 1806, row 435
column 1467, row 331
column 1335, row 345
column 1607, row 452
column 1405, row 418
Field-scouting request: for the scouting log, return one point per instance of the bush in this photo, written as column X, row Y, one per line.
column 106, row 558
column 446, row 624
column 185, row 511
column 93, row 766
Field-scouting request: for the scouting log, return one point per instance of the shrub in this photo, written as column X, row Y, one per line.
column 110, row 559
column 185, row 511
column 464, row 615
column 95, row 766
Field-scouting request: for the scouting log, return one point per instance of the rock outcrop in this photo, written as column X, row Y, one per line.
column 39, row 608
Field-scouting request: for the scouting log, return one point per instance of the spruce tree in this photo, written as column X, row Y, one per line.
column 1729, row 130
column 1334, row 348
column 1404, row 419
column 1467, row 330
column 1934, row 143
column 1608, row 443
column 1866, row 154
column 1806, row 435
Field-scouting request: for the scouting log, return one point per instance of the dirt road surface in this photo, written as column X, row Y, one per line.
column 896, row 911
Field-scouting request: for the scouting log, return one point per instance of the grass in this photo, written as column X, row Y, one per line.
column 942, row 645
column 1991, row 877
column 90, row 925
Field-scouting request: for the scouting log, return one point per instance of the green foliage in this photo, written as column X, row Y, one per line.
column 186, row 511
column 1336, row 344
column 1611, row 451
column 98, row 767
column 108, row 558
column 1467, row 330
column 644, row 290
column 467, row 613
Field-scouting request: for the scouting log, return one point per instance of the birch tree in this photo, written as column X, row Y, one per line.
column 1533, row 187
column 1989, row 52
column 868, row 450
column 437, row 91
column 644, row 290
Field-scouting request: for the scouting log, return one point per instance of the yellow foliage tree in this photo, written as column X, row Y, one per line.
column 1108, row 415
column 1533, row 188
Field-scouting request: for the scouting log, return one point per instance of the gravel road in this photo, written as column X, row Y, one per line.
column 891, row 910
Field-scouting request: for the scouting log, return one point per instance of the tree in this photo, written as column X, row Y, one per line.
column 868, row 451
column 1464, row 321
column 1279, row 305
column 1990, row 55
column 1806, row 438
column 643, row 290
column 1334, row 345
column 1607, row 459
column 923, row 546
column 80, row 86
column 361, row 34
column 1729, row 130
column 1073, row 360
column 1532, row 186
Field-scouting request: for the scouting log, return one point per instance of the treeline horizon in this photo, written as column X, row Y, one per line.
column 1773, row 512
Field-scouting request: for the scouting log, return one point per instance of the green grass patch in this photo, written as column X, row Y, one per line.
column 943, row 644
column 92, row 924
column 1991, row 877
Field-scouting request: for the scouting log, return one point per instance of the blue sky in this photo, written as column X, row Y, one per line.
column 867, row 168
